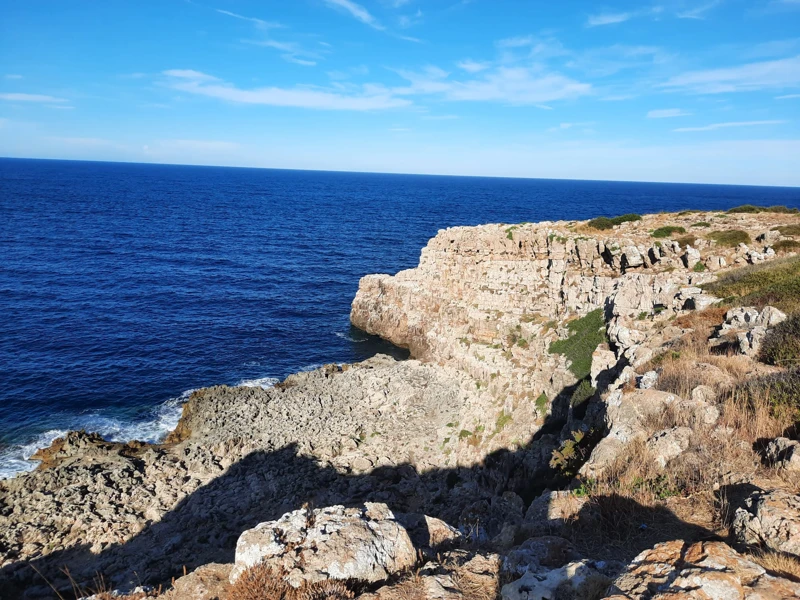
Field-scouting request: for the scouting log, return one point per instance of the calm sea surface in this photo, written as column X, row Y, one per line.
column 123, row 286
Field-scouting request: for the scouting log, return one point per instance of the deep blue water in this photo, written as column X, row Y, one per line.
column 124, row 285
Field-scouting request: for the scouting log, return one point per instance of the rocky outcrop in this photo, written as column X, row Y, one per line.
column 745, row 328
column 364, row 544
column 698, row 571
column 771, row 519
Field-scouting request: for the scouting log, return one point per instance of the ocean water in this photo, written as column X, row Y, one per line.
column 125, row 286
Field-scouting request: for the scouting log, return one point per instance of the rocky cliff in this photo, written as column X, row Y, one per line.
column 576, row 397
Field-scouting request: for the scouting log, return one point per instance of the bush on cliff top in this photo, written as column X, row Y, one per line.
column 786, row 246
column 752, row 209
column 781, row 346
column 604, row 223
column 775, row 283
column 668, row 231
column 730, row 238
column 788, row 229
column 587, row 333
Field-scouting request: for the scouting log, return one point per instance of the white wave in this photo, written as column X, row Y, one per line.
column 153, row 428
column 263, row 382
column 347, row 337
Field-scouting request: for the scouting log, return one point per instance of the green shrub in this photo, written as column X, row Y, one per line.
column 699, row 268
column 609, row 223
column 573, row 452
column 503, row 419
column 701, row 224
column 541, row 404
column 730, row 238
column 582, row 394
column 788, row 229
column 786, row 246
column 668, row 231
column 781, row 346
column 752, row 209
column 586, row 334
column 782, row 389
column 687, row 240
column 510, row 232
column 776, row 283
column 464, row 434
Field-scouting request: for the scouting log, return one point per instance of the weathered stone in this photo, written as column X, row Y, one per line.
column 785, row 453
column 362, row 544
column 770, row 518
column 668, row 444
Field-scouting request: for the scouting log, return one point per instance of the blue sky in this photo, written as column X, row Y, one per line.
column 676, row 90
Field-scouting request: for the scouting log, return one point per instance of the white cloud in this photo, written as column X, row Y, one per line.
column 260, row 23
column 716, row 126
column 292, row 52
column 357, row 11
column 472, row 66
column 753, row 76
column 698, row 12
column 516, row 42
column 31, row 98
column 608, row 19
column 190, row 74
column 13, row 76
column 787, row 97
column 368, row 98
column 667, row 113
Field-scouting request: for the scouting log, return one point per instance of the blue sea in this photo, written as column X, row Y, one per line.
column 125, row 286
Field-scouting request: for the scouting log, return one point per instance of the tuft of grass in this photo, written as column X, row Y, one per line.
column 687, row 240
column 786, row 246
column 503, row 419
column 701, row 224
column 753, row 209
column 587, row 333
column 541, row 403
column 775, row 283
column 730, row 238
column 781, row 346
column 699, row 267
column 788, row 229
column 668, row 231
column 779, row 564
column 263, row 583
column 604, row 223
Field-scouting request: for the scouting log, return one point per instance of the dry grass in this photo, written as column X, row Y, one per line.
column 779, row 564
column 262, row 583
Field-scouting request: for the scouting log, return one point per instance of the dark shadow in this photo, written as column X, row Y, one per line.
column 204, row 527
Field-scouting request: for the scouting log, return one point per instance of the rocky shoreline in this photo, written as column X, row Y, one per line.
column 544, row 356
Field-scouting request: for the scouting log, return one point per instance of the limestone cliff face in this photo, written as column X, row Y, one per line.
column 490, row 300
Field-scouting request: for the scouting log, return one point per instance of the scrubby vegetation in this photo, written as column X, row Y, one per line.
column 668, row 231
column 262, row 583
column 788, row 229
column 752, row 209
column 586, row 334
column 687, row 240
column 699, row 268
column 775, row 283
column 730, row 238
column 701, row 224
column 781, row 346
column 786, row 246
column 604, row 223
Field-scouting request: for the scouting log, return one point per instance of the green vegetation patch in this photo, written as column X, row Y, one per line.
column 753, row 209
column 786, row 246
column 510, row 232
column 730, row 238
column 699, row 267
column 503, row 419
column 668, row 231
column 701, row 224
column 582, row 394
column 788, row 229
column 776, row 283
column 587, row 333
column 687, row 240
column 604, row 223
column 541, row 404
column 781, row 390
column 781, row 346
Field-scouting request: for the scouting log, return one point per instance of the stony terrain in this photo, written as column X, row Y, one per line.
column 581, row 419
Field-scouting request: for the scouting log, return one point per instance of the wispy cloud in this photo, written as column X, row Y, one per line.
column 472, row 66
column 367, row 98
column 667, row 113
column 715, row 126
column 608, row 19
column 190, row 75
column 787, row 97
column 784, row 73
column 698, row 12
column 40, row 98
column 356, row 11
column 519, row 41
column 292, row 52
column 260, row 23
column 13, row 76
column 566, row 126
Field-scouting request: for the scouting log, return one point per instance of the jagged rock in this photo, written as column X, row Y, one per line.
column 700, row 571
column 691, row 257
column 704, row 393
column 785, row 453
column 429, row 533
column 551, row 511
column 363, row 544
column 543, row 551
column 747, row 326
column 580, row 579
column 770, row 518
column 648, row 380
column 668, row 444
column 603, row 360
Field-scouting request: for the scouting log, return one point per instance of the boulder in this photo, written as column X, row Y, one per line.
column 783, row 452
column 580, row 579
column 699, row 571
column 771, row 519
column 747, row 326
column 668, row 444
column 364, row 544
